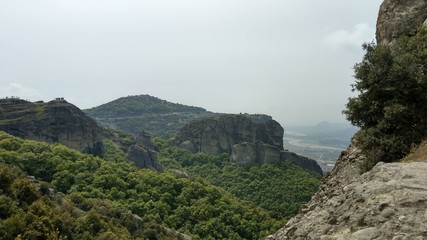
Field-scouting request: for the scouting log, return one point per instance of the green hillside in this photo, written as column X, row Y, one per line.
column 105, row 193
column 281, row 188
column 143, row 112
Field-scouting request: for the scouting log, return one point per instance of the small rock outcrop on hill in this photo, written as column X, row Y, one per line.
column 219, row 134
column 144, row 153
column 54, row 122
column 397, row 18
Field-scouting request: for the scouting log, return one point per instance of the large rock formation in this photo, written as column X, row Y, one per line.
column 219, row 134
column 144, row 153
column 400, row 17
column 388, row 202
column 254, row 152
column 54, row 122
column 249, row 139
column 301, row 161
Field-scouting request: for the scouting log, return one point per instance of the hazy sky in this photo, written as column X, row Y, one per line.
column 292, row 59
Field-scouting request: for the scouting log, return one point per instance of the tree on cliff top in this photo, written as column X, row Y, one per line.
column 391, row 108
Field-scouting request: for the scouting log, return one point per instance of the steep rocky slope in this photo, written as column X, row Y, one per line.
column 219, row 134
column 397, row 18
column 144, row 153
column 56, row 121
column 387, row 202
column 248, row 140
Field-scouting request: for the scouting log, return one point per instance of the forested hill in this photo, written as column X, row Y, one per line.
column 110, row 198
column 144, row 112
column 158, row 117
column 133, row 106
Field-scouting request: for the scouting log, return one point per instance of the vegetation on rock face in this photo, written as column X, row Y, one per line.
column 391, row 107
column 143, row 112
column 158, row 117
column 281, row 188
column 104, row 193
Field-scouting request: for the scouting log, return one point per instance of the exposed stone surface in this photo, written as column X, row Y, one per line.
column 54, row 122
column 219, row 134
column 388, row 202
column 400, row 17
column 250, row 139
column 301, row 161
column 144, row 153
column 254, row 152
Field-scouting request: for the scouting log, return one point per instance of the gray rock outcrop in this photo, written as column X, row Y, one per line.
column 254, row 153
column 399, row 17
column 144, row 153
column 388, row 202
column 54, row 122
column 301, row 161
column 219, row 134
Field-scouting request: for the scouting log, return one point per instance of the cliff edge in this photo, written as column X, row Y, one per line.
column 56, row 121
column 387, row 202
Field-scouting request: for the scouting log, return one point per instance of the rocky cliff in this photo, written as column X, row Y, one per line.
column 219, row 134
column 144, row 153
column 248, row 140
column 54, row 122
column 61, row 122
column 389, row 201
column 400, row 17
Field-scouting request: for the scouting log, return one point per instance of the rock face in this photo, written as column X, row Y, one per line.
column 54, row 122
column 388, row 202
column 301, row 161
column 249, row 140
column 399, row 17
column 254, row 152
column 219, row 134
column 144, row 153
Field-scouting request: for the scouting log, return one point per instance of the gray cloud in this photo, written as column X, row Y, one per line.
column 291, row 59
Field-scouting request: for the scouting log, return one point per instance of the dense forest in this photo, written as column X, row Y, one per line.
column 280, row 188
column 110, row 198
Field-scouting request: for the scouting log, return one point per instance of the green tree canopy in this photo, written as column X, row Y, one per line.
column 391, row 107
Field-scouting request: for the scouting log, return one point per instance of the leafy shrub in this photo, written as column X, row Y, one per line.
column 391, row 107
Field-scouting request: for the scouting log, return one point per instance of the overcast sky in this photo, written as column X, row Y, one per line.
column 292, row 59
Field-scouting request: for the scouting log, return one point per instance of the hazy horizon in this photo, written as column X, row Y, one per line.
column 289, row 59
